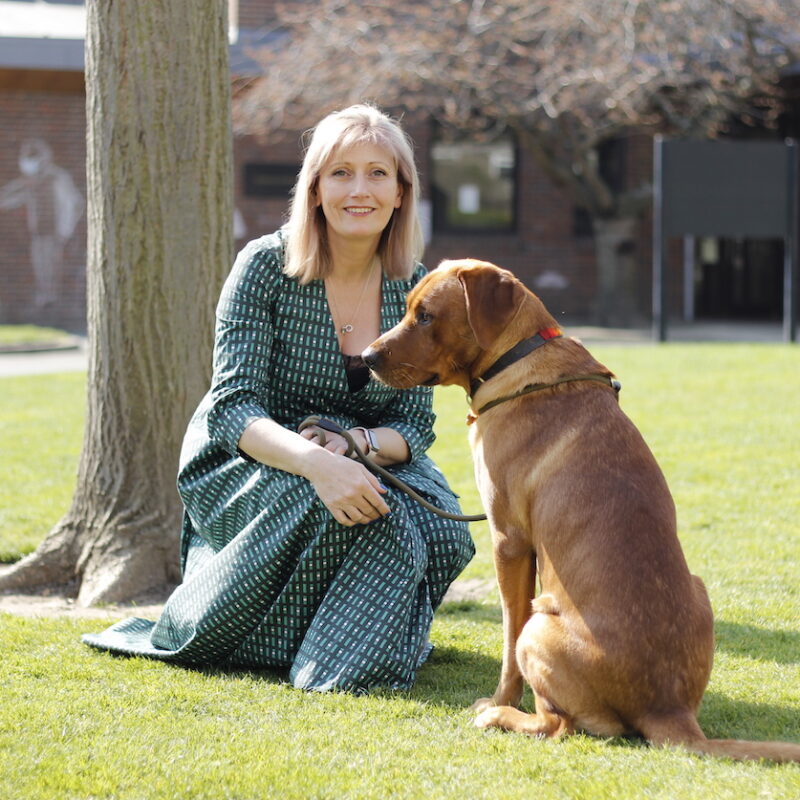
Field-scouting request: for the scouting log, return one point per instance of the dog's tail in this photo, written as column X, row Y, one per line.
column 681, row 730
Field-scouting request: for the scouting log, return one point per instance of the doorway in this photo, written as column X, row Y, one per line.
column 738, row 279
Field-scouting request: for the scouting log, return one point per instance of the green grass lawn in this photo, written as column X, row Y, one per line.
column 16, row 335
column 41, row 429
column 723, row 421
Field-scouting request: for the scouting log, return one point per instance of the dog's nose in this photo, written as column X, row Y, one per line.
column 370, row 357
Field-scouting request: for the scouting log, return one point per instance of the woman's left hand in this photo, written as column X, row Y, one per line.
column 334, row 442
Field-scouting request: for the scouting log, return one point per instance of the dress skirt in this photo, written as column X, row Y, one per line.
column 345, row 608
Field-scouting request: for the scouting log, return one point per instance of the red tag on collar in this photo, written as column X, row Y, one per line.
column 550, row 333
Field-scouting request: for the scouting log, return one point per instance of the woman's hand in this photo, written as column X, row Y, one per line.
column 334, row 442
column 393, row 447
column 348, row 489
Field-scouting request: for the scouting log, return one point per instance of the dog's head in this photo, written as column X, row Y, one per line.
column 459, row 319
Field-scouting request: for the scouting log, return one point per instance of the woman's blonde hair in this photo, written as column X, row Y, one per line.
column 308, row 254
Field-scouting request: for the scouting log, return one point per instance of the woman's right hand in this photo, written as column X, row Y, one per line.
column 348, row 489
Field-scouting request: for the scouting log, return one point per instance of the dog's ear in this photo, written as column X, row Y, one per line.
column 493, row 297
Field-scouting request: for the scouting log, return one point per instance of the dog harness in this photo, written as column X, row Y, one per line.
column 519, row 351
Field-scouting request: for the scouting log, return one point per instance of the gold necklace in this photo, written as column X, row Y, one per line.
column 348, row 326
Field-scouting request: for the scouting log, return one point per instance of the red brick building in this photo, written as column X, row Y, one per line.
column 486, row 201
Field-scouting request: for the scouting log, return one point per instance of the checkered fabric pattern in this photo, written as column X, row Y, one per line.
column 270, row 579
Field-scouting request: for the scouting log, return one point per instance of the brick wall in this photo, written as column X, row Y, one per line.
column 254, row 14
column 544, row 245
column 544, row 242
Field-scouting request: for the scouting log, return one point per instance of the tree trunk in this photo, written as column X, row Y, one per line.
column 617, row 274
column 159, row 174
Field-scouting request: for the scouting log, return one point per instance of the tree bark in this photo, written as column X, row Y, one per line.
column 159, row 175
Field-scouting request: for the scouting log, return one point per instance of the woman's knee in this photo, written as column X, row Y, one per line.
column 452, row 540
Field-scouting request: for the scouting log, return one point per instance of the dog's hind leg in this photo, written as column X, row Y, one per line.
column 548, row 720
column 557, row 662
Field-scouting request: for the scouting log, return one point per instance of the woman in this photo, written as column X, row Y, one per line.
column 294, row 554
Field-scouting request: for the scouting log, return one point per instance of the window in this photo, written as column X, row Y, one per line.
column 270, row 180
column 474, row 185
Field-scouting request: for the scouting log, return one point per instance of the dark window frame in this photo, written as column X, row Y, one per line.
column 440, row 223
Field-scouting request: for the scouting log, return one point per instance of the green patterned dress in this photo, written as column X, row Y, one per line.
column 270, row 579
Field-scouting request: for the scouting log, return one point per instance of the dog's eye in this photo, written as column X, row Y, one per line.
column 424, row 318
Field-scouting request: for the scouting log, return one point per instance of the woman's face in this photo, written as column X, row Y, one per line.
column 358, row 191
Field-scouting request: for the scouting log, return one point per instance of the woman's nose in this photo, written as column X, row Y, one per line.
column 360, row 185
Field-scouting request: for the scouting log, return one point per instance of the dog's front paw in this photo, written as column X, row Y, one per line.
column 489, row 717
column 482, row 703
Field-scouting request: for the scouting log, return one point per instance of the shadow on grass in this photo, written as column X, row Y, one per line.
column 451, row 677
column 780, row 646
column 456, row 675
column 724, row 718
column 455, row 678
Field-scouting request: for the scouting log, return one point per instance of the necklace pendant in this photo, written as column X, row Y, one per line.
column 346, row 328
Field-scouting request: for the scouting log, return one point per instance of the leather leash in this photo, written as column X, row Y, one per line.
column 352, row 448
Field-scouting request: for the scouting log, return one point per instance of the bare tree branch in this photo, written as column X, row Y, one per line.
column 564, row 76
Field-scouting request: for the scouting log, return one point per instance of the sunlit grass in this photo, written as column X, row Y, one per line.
column 723, row 421
column 76, row 723
column 41, row 427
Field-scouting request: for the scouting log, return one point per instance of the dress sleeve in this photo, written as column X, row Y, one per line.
column 411, row 415
column 243, row 344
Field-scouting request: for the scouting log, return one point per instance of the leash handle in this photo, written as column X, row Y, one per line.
column 352, row 448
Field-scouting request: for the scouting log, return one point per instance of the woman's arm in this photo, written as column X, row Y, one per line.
column 348, row 489
column 239, row 418
column 243, row 343
column 393, row 447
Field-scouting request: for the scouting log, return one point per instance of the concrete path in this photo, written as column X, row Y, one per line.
column 68, row 358
column 41, row 363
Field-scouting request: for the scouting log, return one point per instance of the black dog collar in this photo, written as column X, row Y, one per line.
column 518, row 351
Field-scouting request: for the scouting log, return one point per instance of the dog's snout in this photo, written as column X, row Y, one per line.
column 371, row 357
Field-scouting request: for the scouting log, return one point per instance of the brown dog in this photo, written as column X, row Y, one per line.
column 620, row 640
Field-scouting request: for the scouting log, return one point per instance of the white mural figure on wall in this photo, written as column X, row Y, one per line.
column 53, row 205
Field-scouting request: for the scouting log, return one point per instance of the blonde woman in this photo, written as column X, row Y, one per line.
column 294, row 555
